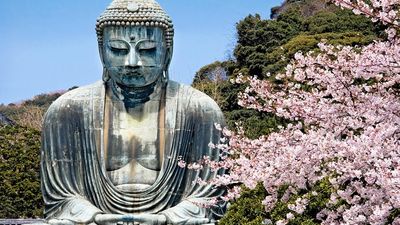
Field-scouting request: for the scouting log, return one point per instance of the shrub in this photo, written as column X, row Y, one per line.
column 19, row 173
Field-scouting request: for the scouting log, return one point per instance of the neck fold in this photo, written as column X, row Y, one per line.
column 134, row 96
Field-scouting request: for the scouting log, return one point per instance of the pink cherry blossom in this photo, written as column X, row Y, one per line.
column 346, row 128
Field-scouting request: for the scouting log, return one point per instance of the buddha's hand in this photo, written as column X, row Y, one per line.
column 60, row 222
column 197, row 221
column 130, row 219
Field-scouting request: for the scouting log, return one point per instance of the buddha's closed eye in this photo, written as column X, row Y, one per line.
column 119, row 46
column 146, row 45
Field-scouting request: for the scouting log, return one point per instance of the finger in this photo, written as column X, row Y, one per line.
column 113, row 218
column 60, row 222
column 128, row 218
column 107, row 218
column 150, row 218
column 201, row 221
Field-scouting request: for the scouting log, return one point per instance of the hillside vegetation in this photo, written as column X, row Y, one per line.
column 264, row 47
column 30, row 112
column 20, row 194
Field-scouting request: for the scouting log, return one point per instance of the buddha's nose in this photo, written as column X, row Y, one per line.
column 133, row 59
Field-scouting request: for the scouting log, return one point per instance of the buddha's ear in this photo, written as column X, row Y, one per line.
column 168, row 57
column 101, row 53
column 106, row 77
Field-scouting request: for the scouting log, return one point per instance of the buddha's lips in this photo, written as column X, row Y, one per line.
column 133, row 73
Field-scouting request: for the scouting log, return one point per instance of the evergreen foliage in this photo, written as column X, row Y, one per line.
column 258, row 39
column 250, row 206
column 248, row 209
column 19, row 173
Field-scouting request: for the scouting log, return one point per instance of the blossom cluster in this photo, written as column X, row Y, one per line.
column 385, row 11
column 344, row 106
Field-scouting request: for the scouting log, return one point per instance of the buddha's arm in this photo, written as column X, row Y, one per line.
column 63, row 166
column 205, row 114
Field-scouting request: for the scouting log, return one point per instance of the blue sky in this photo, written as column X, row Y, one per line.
column 48, row 45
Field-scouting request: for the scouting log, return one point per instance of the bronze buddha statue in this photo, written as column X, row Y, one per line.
column 110, row 150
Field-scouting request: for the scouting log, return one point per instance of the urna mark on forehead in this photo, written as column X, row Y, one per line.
column 134, row 33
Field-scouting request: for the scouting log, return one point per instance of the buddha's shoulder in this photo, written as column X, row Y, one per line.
column 191, row 96
column 77, row 98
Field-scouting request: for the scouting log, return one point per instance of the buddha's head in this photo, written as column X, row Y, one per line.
column 135, row 42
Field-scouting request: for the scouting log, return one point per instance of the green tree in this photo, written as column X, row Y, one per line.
column 256, row 37
column 19, row 173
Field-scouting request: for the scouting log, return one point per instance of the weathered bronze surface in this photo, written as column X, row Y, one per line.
column 110, row 149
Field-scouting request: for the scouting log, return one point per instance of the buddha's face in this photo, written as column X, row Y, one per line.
column 134, row 56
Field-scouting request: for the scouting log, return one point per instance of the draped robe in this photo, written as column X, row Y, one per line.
column 75, row 184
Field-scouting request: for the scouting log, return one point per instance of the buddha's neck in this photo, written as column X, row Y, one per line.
column 135, row 98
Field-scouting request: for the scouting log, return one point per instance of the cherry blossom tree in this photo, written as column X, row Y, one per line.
column 344, row 106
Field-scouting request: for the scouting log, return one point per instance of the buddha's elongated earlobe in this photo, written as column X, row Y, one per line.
column 165, row 77
column 106, row 76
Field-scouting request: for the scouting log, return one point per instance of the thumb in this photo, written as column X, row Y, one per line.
column 200, row 221
column 60, row 222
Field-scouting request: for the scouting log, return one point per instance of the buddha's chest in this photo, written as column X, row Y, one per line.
column 135, row 134
column 132, row 153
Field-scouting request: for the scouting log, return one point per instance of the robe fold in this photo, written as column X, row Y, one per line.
column 75, row 184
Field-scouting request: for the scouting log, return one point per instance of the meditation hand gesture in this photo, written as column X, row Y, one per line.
column 130, row 219
column 143, row 219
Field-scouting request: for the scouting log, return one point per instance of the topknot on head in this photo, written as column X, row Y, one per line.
column 135, row 13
